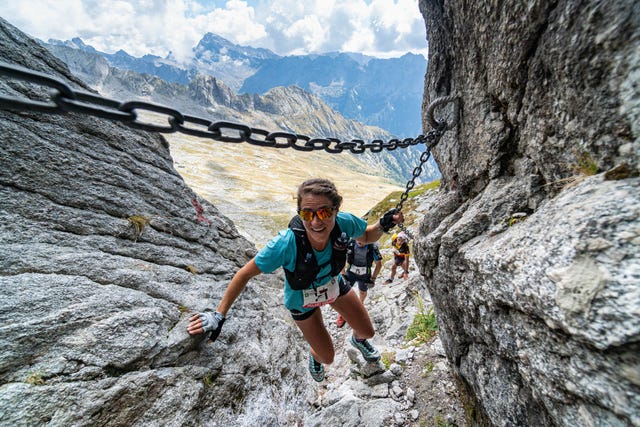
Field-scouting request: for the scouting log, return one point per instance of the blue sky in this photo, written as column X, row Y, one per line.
column 381, row 28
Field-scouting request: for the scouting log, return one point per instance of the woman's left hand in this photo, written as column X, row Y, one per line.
column 398, row 218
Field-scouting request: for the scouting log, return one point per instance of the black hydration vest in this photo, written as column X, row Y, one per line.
column 307, row 268
column 351, row 254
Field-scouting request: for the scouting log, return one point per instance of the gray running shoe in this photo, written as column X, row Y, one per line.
column 316, row 369
column 368, row 351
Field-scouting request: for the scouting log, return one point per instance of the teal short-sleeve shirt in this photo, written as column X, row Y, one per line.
column 281, row 252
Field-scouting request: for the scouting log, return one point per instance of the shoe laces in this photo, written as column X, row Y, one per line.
column 317, row 366
column 366, row 345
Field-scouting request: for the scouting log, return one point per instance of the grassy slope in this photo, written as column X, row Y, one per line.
column 256, row 186
column 408, row 209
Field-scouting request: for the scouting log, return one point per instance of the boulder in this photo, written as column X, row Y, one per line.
column 531, row 251
column 105, row 253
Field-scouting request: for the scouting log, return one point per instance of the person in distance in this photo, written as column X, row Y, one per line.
column 360, row 259
column 401, row 253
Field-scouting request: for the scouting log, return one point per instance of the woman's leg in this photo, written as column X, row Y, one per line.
column 363, row 296
column 353, row 311
column 318, row 337
column 393, row 270
column 363, row 288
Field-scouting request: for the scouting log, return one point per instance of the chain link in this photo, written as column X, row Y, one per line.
column 64, row 99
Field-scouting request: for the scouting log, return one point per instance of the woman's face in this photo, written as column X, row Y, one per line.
column 318, row 231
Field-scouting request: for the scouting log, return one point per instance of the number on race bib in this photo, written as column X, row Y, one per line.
column 321, row 295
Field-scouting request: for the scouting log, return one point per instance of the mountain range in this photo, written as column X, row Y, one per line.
column 340, row 95
column 380, row 92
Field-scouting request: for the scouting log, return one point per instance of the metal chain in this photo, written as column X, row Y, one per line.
column 64, row 99
column 439, row 129
column 416, row 173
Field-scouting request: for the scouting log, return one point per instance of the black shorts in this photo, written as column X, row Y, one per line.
column 301, row 315
column 361, row 281
column 398, row 260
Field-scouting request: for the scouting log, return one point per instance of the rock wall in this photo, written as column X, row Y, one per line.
column 104, row 254
column 531, row 252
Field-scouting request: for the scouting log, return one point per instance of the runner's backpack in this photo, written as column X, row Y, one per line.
column 351, row 253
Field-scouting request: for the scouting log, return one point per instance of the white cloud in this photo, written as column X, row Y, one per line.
column 382, row 28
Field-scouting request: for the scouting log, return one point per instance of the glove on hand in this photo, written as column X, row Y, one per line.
column 386, row 222
column 212, row 322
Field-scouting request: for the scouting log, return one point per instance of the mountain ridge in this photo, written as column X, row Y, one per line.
column 210, row 97
column 246, row 69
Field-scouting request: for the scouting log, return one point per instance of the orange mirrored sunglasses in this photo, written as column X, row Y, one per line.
column 322, row 213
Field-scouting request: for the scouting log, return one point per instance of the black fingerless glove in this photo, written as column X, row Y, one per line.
column 212, row 322
column 386, row 222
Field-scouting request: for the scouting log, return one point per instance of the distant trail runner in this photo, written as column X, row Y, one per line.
column 360, row 259
column 401, row 254
column 312, row 252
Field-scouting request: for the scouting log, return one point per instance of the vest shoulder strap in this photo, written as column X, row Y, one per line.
column 307, row 268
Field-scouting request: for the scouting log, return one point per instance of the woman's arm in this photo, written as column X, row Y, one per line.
column 376, row 270
column 235, row 287
column 405, row 265
column 374, row 231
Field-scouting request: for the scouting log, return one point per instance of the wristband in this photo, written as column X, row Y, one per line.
column 212, row 322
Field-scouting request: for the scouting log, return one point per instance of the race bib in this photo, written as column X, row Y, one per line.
column 321, row 295
column 358, row 271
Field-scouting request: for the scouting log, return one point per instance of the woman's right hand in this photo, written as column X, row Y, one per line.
column 206, row 322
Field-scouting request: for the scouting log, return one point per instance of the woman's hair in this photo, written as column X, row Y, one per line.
column 320, row 187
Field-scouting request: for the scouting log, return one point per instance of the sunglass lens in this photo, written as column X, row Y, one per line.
column 324, row 213
column 306, row 215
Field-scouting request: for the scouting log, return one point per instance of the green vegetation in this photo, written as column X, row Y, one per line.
column 35, row 378
column 421, row 189
column 393, row 199
column 439, row 421
column 585, row 164
column 388, row 357
column 428, row 368
column 183, row 309
column 208, row 380
column 424, row 325
column 516, row 218
column 138, row 222
column 408, row 208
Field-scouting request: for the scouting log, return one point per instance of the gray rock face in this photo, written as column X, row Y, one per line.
column 104, row 254
column 531, row 260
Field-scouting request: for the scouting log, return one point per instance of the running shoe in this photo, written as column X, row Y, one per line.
column 386, row 282
column 368, row 351
column 340, row 321
column 316, row 369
